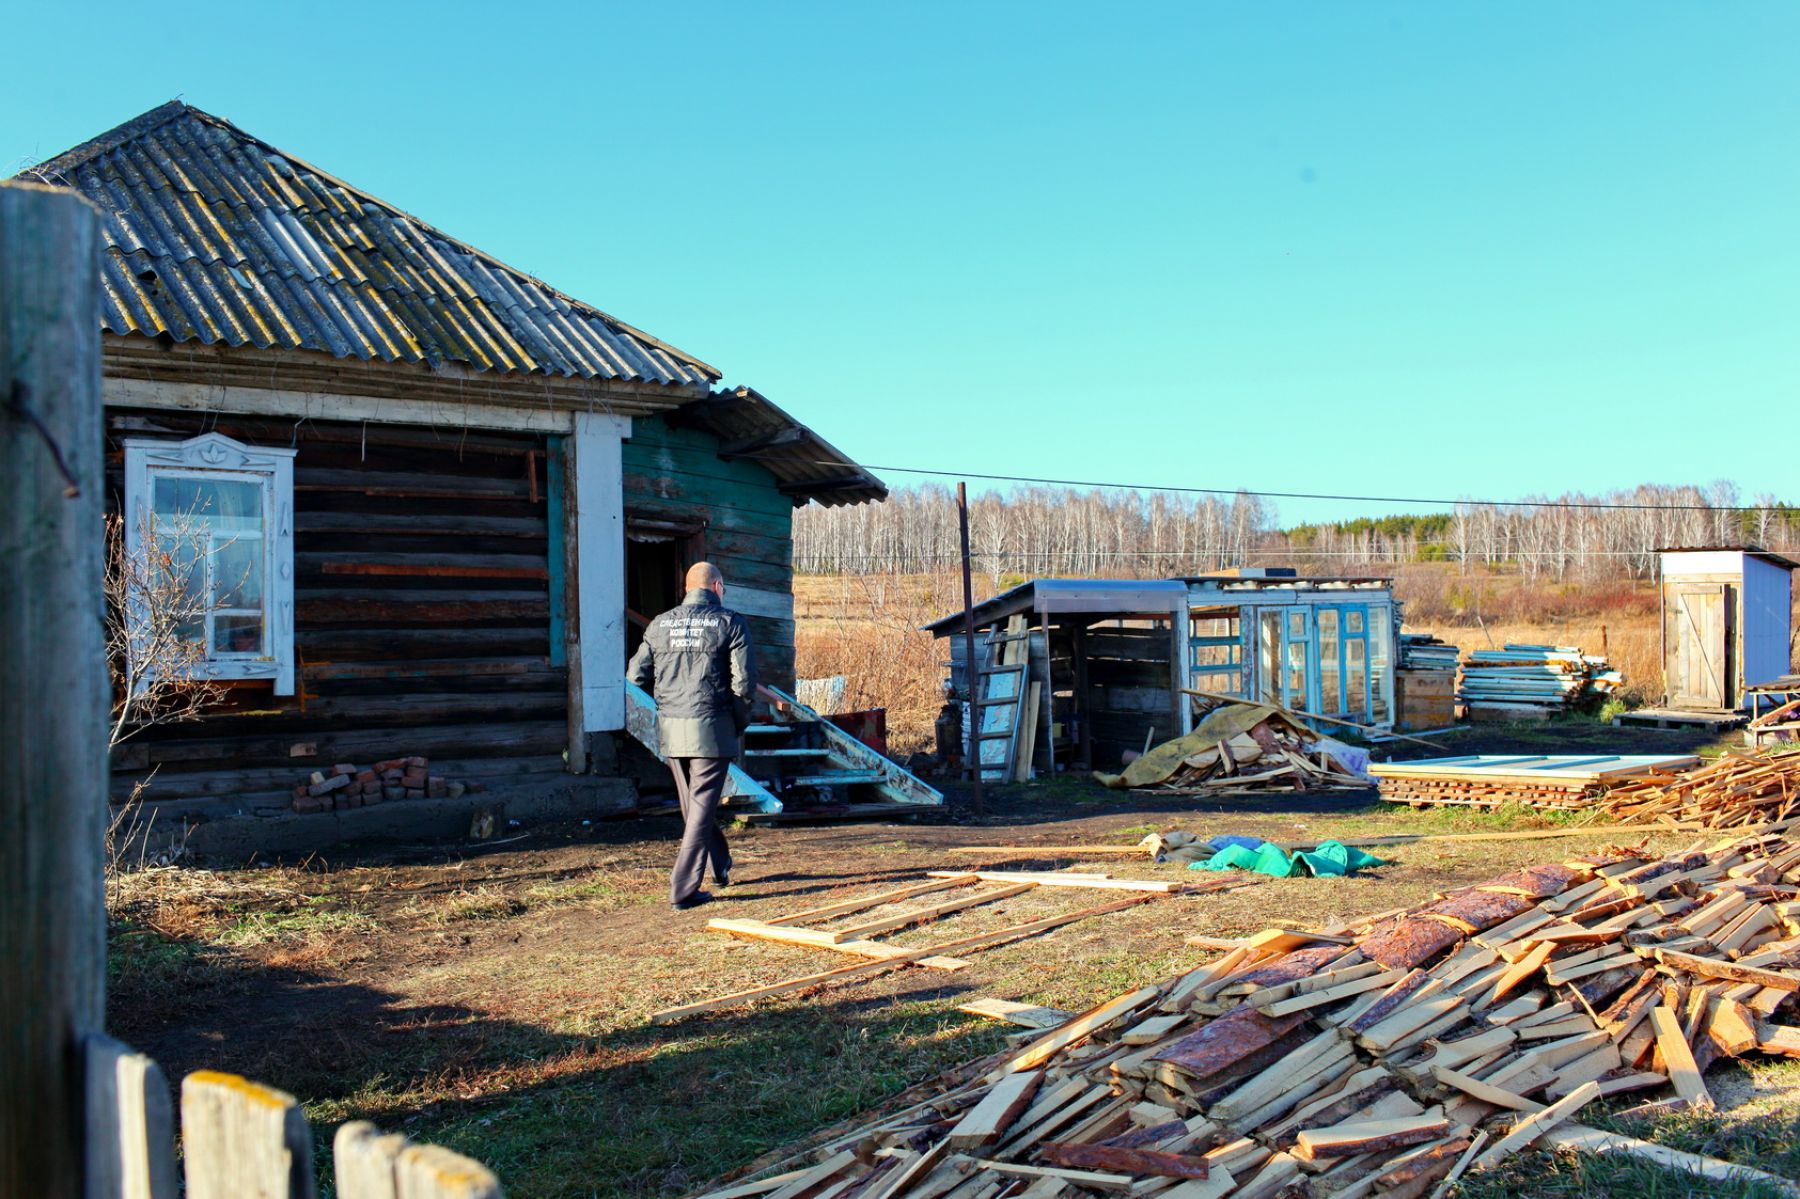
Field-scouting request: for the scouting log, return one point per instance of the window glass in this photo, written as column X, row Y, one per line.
column 1331, row 698
column 222, row 505
column 1356, row 675
column 1296, row 625
column 1353, row 621
column 237, row 572
column 1380, row 624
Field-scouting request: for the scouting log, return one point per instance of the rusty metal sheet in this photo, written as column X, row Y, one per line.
column 1228, row 1040
column 1408, row 942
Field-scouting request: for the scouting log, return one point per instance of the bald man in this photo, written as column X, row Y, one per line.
column 695, row 660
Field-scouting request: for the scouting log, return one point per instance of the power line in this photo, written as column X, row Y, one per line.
column 1272, row 495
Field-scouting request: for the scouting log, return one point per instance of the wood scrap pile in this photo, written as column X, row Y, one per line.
column 1533, row 679
column 1382, row 1058
column 1267, row 758
column 1552, row 781
column 1736, row 791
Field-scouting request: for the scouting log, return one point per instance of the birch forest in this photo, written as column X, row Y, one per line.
column 1057, row 531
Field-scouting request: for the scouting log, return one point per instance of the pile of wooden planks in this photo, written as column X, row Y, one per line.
column 1736, row 791
column 1778, row 726
column 1269, row 757
column 1532, row 679
column 1381, row 1058
column 1539, row 781
column 872, row 916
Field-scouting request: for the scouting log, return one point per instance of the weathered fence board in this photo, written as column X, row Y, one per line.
column 130, row 1125
column 242, row 1140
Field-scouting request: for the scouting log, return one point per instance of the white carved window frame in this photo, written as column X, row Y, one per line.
column 213, row 454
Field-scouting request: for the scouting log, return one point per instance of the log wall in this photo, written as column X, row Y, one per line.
column 422, row 614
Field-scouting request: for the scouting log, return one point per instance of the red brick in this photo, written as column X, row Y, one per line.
column 418, row 763
column 336, row 782
column 415, row 793
column 414, row 778
column 308, row 804
column 366, row 776
column 393, row 791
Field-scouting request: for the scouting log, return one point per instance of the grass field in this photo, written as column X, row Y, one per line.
column 495, row 1000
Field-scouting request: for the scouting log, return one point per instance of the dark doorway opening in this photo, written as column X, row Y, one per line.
column 658, row 552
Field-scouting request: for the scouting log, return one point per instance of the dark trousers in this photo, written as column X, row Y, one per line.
column 700, row 783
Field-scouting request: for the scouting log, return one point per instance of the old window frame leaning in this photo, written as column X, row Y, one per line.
column 215, row 457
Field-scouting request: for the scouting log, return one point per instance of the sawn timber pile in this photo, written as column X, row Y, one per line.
column 1380, row 1058
column 1735, row 791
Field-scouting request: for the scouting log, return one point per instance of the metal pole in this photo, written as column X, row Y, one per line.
column 972, row 668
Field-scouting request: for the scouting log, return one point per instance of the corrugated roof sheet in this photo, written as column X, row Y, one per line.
column 217, row 237
column 806, row 466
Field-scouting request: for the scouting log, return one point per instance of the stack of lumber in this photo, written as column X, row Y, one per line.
column 1381, row 1058
column 1522, row 679
column 1736, row 791
column 1561, row 782
column 1421, row 651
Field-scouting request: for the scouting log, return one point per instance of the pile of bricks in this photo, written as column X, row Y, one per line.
column 348, row 786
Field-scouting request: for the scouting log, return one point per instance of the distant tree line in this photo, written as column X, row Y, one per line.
column 1036, row 531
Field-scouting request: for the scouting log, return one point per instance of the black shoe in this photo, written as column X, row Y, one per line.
column 692, row 901
column 721, row 880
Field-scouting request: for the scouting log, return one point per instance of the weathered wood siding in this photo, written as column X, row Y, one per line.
column 422, row 613
column 677, row 473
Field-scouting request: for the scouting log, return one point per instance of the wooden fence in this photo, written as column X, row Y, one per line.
column 242, row 1140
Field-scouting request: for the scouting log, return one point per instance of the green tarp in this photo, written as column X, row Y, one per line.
column 1328, row 860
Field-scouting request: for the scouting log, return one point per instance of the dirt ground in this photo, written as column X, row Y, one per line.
column 494, row 998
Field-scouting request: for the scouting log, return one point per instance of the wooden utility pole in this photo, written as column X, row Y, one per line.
column 972, row 668
column 54, row 693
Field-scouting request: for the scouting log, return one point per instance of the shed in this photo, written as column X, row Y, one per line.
column 1727, row 624
column 1108, row 652
column 448, row 485
column 1117, row 655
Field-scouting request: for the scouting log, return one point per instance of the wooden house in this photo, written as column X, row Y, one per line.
column 1727, row 624
column 444, row 487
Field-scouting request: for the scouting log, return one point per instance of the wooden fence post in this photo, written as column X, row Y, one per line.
column 53, row 684
column 242, row 1140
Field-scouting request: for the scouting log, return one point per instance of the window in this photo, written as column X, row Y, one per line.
column 222, row 512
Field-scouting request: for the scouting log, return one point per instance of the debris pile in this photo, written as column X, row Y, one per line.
column 1240, row 746
column 1533, row 679
column 1735, row 791
column 1381, row 1058
column 1778, row 726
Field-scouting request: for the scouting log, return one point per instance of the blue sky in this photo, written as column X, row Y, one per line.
column 1431, row 249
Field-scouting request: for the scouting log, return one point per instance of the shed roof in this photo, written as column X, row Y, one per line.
column 215, row 236
column 1753, row 551
column 1091, row 596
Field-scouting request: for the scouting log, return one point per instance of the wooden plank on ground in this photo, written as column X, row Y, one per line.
column 1137, row 1162
column 1042, row 1049
column 845, row 907
column 1678, row 1057
column 989, row 1119
column 921, row 915
column 1050, row 879
column 1026, row 1015
column 1578, row 1138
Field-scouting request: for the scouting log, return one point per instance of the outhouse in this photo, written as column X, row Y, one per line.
column 1726, row 624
